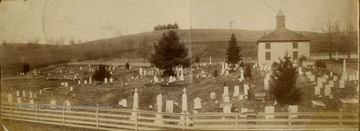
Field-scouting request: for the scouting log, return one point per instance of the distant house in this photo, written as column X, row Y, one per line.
column 274, row 45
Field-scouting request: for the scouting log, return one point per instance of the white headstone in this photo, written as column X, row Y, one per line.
column 19, row 100
column 111, row 80
column 184, row 101
column 18, row 93
column 293, row 109
column 327, row 90
column 136, row 100
column 269, row 109
column 71, row 88
column 226, row 98
column 197, row 103
column 140, row 71
column 236, row 91
column 79, row 83
column 67, row 104
column 212, row 95
column 169, row 106
column 31, row 102
column 24, row 94
column 342, row 84
column 90, row 81
column 227, row 109
column 10, row 98
column 241, row 97
column 105, row 80
column 226, row 91
column 40, row 92
column 159, row 104
column 124, row 102
column 246, row 89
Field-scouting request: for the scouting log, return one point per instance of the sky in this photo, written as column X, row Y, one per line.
column 85, row 20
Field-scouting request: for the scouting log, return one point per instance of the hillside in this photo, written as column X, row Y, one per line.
column 205, row 43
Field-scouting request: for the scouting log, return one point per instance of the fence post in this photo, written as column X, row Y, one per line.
column 11, row 107
column 184, row 121
column 136, row 119
column 341, row 117
column 236, row 120
column 97, row 117
column 63, row 116
column 289, row 117
column 36, row 109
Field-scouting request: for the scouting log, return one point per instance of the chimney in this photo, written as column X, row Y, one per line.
column 280, row 20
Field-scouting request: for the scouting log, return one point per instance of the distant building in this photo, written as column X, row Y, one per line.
column 274, row 45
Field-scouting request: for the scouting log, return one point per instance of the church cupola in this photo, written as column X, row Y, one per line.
column 280, row 20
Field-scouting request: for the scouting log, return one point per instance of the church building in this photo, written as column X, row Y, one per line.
column 273, row 46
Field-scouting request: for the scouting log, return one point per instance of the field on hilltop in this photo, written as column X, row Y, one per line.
column 204, row 43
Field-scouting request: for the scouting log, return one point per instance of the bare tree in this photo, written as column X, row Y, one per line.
column 349, row 32
column 72, row 41
column 330, row 28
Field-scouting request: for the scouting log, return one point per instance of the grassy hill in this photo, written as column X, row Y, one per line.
column 204, row 43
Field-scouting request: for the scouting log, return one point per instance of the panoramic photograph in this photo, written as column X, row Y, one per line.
column 179, row 65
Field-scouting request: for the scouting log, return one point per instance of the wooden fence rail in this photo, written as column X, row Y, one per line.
column 125, row 119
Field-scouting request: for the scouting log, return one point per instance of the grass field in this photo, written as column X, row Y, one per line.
column 204, row 43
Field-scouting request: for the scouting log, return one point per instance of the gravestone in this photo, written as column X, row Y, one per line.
column 246, row 89
column 67, row 104
column 269, row 109
column 40, row 92
column 227, row 109
column 327, row 90
column 184, row 102
column 105, row 80
column 236, row 91
column 226, row 91
column 24, row 94
column 52, row 103
column 140, row 71
column 31, row 94
column 90, row 81
column 169, row 106
column 293, row 109
column 136, row 100
column 111, row 80
column 85, row 82
column 18, row 93
column 156, row 80
column 124, row 102
column 79, row 83
column 19, row 100
column 31, row 102
column 197, row 103
column 10, row 98
column 342, row 84
column 226, row 98
column 331, row 83
column 241, row 97
column 71, row 88
column 212, row 96
column 159, row 104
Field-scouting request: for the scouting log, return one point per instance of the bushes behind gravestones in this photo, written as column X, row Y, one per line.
column 26, row 68
column 320, row 64
column 127, row 66
column 101, row 73
column 215, row 74
column 247, row 73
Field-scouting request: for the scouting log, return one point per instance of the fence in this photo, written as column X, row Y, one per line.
column 124, row 119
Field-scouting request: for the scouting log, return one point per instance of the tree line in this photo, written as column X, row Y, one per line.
column 166, row 27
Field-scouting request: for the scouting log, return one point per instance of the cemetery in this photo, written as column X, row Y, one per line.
column 181, row 79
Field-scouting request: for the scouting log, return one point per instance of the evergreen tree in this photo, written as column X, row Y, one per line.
column 26, row 68
column 284, row 87
column 247, row 73
column 169, row 52
column 101, row 73
column 215, row 74
column 127, row 66
column 197, row 60
column 233, row 51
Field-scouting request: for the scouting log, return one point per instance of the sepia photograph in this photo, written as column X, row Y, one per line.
column 144, row 65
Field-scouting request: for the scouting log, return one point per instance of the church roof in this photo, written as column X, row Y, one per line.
column 283, row 34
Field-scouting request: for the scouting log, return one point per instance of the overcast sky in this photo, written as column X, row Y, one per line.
column 85, row 20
